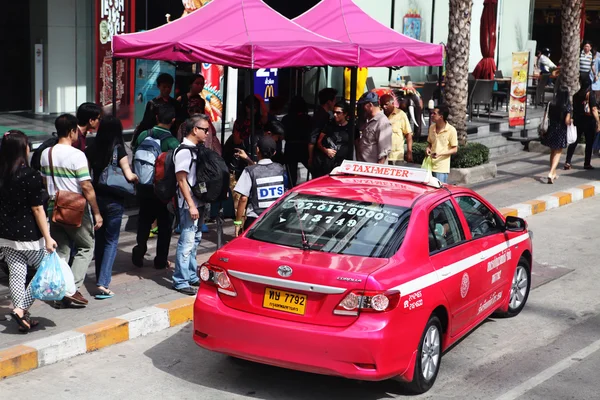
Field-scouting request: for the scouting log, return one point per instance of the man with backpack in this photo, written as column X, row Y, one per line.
column 147, row 149
column 191, row 208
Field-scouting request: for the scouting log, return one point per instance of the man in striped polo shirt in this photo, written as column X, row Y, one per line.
column 71, row 173
column 585, row 59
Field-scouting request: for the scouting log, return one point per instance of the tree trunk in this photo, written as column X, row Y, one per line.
column 569, row 62
column 457, row 65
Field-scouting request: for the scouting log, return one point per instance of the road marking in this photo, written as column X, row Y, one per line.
column 550, row 372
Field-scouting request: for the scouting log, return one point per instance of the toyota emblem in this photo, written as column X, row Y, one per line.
column 284, row 271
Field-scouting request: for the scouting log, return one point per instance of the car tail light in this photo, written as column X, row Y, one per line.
column 371, row 301
column 217, row 277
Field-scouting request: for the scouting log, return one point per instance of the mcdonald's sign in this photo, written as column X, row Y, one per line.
column 266, row 83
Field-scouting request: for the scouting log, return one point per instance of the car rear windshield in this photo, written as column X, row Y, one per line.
column 334, row 225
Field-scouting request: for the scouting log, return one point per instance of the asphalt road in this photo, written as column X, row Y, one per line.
column 550, row 351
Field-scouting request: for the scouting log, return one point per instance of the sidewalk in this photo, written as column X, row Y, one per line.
column 520, row 178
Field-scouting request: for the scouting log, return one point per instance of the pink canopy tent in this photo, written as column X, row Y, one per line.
column 380, row 46
column 236, row 33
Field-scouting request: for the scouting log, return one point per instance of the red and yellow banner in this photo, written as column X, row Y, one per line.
column 518, row 89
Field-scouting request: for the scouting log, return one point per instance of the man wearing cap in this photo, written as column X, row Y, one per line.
column 260, row 185
column 375, row 141
column 400, row 130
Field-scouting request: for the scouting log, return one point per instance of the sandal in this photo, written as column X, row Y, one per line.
column 22, row 321
column 32, row 322
column 104, row 293
column 588, row 167
column 567, row 166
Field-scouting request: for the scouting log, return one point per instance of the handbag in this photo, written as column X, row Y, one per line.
column 571, row 133
column 113, row 180
column 543, row 128
column 68, row 206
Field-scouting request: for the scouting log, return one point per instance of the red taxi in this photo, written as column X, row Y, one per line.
column 368, row 273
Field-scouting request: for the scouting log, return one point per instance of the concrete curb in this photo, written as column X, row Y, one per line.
column 50, row 350
column 554, row 200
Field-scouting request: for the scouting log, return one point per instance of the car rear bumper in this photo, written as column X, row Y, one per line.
column 365, row 350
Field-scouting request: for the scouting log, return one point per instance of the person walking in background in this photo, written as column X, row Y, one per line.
column 442, row 142
column 401, row 131
column 151, row 208
column 24, row 232
column 585, row 59
column 320, row 118
column 595, row 74
column 165, row 86
column 545, row 63
column 333, row 145
column 585, row 114
column 65, row 168
column 196, row 106
column 88, row 119
column 375, row 141
column 108, row 145
column 266, row 175
column 191, row 209
column 297, row 124
column 197, row 83
column 559, row 117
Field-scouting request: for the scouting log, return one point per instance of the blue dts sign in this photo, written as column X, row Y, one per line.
column 266, row 83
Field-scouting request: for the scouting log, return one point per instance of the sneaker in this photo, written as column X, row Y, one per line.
column 195, row 284
column 77, row 298
column 187, row 290
column 153, row 232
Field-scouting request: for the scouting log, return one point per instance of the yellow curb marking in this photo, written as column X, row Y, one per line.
column 180, row 310
column 17, row 359
column 537, row 206
column 588, row 190
column 563, row 198
column 509, row 212
column 105, row 333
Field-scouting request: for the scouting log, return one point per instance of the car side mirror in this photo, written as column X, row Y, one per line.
column 515, row 224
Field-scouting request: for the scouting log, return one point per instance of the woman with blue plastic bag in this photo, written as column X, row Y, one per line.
column 113, row 181
column 24, row 232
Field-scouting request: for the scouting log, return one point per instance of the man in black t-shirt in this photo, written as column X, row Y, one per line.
column 321, row 118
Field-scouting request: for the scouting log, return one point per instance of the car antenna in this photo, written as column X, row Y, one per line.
column 305, row 244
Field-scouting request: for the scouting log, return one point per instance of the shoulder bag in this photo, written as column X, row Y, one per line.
column 112, row 178
column 68, row 206
column 543, row 128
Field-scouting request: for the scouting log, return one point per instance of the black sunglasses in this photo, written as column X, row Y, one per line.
column 205, row 130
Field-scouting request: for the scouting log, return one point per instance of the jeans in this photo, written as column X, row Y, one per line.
column 442, row 177
column 187, row 247
column 107, row 239
column 82, row 239
column 151, row 208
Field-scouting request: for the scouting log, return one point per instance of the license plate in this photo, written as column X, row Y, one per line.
column 284, row 301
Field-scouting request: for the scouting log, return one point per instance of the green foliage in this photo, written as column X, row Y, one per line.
column 471, row 155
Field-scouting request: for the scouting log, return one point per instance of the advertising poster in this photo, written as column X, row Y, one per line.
column 212, row 93
column 112, row 17
column 518, row 89
column 266, row 83
column 412, row 24
column 147, row 72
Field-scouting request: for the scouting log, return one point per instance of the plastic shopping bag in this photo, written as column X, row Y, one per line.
column 571, row 133
column 427, row 164
column 49, row 283
column 70, row 288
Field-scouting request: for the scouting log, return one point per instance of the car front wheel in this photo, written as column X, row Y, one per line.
column 429, row 357
column 519, row 289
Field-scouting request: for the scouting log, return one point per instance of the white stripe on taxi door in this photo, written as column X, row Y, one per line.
column 450, row 270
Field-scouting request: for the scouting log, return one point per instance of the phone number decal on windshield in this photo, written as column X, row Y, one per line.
column 336, row 210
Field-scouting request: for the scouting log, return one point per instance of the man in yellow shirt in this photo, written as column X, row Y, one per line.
column 400, row 129
column 443, row 142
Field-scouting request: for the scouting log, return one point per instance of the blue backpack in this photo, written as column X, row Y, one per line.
column 144, row 159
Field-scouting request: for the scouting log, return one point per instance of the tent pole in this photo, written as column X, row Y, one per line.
column 252, row 117
column 224, row 113
column 392, row 23
column 432, row 27
column 318, row 83
column 353, row 83
column 114, row 88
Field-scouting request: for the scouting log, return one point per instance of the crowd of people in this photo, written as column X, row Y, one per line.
column 321, row 142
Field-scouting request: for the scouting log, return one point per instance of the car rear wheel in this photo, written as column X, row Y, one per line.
column 429, row 357
column 519, row 289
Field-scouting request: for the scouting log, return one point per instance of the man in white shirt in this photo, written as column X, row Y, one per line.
column 191, row 210
column 71, row 173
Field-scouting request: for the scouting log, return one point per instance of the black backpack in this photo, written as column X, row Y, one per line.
column 37, row 154
column 212, row 176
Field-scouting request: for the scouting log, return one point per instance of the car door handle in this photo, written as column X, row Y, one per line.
column 483, row 257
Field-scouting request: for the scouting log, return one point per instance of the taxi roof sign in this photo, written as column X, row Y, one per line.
column 396, row 172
